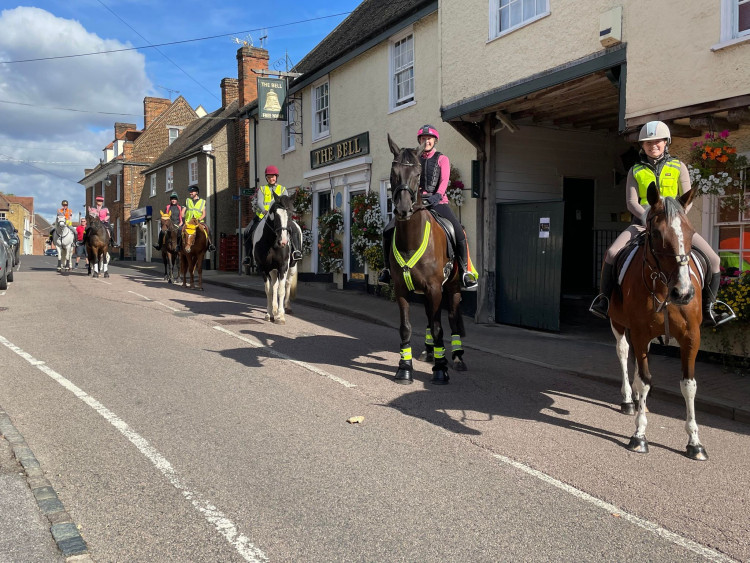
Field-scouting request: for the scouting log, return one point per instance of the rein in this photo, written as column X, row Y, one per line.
column 408, row 265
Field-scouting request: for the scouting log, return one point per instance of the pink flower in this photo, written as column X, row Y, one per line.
column 709, row 136
column 724, row 134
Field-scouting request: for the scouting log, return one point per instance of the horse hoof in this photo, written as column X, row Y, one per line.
column 440, row 376
column 627, row 408
column 106, row 274
column 459, row 365
column 638, row 445
column 59, row 269
column 697, row 453
column 403, row 376
column 267, row 317
column 426, row 357
column 279, row 321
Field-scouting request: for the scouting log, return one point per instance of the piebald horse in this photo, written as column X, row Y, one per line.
column 661, row 294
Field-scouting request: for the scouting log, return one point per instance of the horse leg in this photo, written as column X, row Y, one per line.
column 428, row 354
column 456, row 322
column 405, row 368
column 642, row 385
column 689, row 345
column 268, row 286
column 105, row 264
column 623, row 347
column 59, row 263
column 199, row 267
column 280, row 317
column 440, row 369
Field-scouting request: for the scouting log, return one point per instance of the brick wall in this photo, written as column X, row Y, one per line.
column 249, row 58
column 153, row 108
column 229, row 91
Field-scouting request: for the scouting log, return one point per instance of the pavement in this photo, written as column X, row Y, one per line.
column 39, row 529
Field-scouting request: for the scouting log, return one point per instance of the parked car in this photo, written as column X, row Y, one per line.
column 50, row 252
column 6, row 264
column 13, row 243
column 13, row 239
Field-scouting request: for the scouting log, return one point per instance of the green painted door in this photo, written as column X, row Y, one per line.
column 529, row 264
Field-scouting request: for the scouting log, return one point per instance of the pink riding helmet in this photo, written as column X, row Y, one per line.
column 428, row 130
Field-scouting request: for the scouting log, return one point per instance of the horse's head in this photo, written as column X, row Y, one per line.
column 60, row 222
column 405, row 171
column 279, row 217
column 669, row 241
column 166, row 221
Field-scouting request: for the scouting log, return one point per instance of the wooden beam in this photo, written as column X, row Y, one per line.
column 684, row 131
column 472, row 132
column 710, row 123
column 690, row 111
column 739, row 115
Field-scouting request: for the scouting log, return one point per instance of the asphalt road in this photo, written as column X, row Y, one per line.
column 179, row 426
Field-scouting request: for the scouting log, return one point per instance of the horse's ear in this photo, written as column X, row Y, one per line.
column 652, row 194
column 687, row 198
column 394, row 147
column 420, row 149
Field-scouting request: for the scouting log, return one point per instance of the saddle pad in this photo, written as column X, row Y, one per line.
column 696, row 257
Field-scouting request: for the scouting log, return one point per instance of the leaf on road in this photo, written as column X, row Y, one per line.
column 355, row 419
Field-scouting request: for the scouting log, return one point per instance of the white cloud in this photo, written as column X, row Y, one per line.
column 41, row 136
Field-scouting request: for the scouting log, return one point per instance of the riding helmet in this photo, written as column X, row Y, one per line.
column 428, row 130
column 100, row 198
column 192, row 189
column 174, row 196
column 655, row 130
column 272, row 170
column 65, row 202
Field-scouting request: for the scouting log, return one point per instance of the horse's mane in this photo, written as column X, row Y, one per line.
column 672, row 208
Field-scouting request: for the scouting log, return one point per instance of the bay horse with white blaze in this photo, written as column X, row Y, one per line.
column 272, row 255
column 64, row 241
column 97, row 246
column 192, row 253
column 420, row 261
column 660, row 295
column 169, row 251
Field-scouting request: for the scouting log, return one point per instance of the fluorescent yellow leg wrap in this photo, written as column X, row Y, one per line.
column 439, row 353
column 428, row 338
column 456, row 342
column 406, row 353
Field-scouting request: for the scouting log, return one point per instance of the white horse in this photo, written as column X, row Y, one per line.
column 64, row 240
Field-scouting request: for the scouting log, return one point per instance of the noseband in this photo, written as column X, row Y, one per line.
column 403, row 187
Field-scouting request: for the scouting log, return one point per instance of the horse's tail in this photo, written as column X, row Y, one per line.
column 293, row 283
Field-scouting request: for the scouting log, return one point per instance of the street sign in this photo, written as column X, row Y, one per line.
column 236, row 197
column 247, row 191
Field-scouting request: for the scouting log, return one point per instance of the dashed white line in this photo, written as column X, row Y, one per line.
column 141, row 296
column 221, row 523
column 255, row 343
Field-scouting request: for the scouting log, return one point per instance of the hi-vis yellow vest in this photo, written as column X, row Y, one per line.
column 668, row 182
column 194, row 209
column 268, row 197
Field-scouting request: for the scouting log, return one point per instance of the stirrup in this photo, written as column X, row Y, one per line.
column 712, row 319
column 296, row 255
column 600, row 306
column 385, row 277
column 469, row 282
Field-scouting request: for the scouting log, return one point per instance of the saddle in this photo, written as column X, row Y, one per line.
column 449, row 233
column 625, row 257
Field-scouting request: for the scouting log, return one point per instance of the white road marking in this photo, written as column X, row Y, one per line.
column 141, row 296
column 102, row 281
column 157, row 302
column 165, row 305
column 255, row 343
column 706, row 552
column 213, row 515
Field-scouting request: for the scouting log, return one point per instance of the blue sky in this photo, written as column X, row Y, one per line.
column 45, row 145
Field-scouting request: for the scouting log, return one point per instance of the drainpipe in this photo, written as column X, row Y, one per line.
column 207, row 150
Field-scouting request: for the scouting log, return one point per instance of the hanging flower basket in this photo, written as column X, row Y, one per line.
column 330, row 249
column 715, row 166
column 455, row 191
column 367, row 230
column 302, row 200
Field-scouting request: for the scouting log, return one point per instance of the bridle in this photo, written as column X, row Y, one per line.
column 404, row 187
column 278, row 230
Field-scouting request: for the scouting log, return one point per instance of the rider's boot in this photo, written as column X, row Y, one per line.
column 385, row 274
column 600, row 305
column 468, row 281
column 211, row 247
column 710, row 292
column 161, row 241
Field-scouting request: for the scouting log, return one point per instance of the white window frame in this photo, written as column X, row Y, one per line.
column 730, row 34
column 193, row 171
column 118, row 232
column 319, row 132
column 173, row 133
column 741, row 221
column 169, row 177
column 386, row 204
column 287, row 133
column 541, row 10
column 410, row 99
column 152, row 185
column 118, row 187
column 2, row 214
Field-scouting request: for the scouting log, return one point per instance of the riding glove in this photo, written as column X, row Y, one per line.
column 433, row 199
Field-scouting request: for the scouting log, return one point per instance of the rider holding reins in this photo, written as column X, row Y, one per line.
column 195, row 208
column 175, row 211
column 66, row 212
column 433, row 183
column 103, row 213
column 672, row 178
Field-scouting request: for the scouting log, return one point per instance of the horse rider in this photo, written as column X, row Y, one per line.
column 80, row 248
column 672, row 178
column 176, row 212
column 103, row 214
column 433, row 182
column 195, row 207
column 66, row 212
column 263, row 201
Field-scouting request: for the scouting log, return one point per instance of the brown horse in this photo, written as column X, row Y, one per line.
column 420, row 262
column 97, row 246
column 169, row 251
column 192, row 252
column 661, row 295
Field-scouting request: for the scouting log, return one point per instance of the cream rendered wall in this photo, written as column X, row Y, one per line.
column 359, row 102
column 472, row 65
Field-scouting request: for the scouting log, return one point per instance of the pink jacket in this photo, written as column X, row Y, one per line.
column 103, row 213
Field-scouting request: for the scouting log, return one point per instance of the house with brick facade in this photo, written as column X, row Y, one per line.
column 20, row 211
column 118, row 176
column 40, row 235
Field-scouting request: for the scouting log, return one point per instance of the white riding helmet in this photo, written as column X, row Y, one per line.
column 655, row 130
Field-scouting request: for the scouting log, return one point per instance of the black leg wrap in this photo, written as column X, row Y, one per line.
column 405, row 372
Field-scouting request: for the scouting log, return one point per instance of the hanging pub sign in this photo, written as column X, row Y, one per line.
column 343, row 150
column 272, row 98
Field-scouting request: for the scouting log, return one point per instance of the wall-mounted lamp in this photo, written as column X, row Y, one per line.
column 108, row 181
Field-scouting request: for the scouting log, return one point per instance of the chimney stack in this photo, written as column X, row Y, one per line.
column 122, row 128
column 249, row 58
column 229, row 91
column 153, row 108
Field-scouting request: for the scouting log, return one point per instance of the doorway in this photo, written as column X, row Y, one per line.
column 578, row 275
column 324, row 206
column 356, row 270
